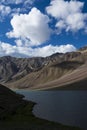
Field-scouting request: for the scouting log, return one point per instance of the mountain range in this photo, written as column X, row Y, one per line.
column 58, row 71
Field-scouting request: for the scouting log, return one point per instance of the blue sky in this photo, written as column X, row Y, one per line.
column 42, row 27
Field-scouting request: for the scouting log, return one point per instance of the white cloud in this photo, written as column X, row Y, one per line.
column 32, row 27
column 22, row 42
column 50, row 49
column 76, row 22
column 4, row 11
column 6, row 2
column 13, row 1
column 17, row 51
column 68, row 14
column 6, row 8
column 28, row 2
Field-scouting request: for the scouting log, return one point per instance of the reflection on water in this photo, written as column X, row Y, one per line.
column 66, row 107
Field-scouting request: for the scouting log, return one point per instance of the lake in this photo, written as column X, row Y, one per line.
column 66, row 107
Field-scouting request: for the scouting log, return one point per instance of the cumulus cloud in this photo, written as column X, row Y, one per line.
column 32, row 27
column 17, row 51
column 68, row 14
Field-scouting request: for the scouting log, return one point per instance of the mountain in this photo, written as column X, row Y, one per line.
column 55, row 71
column 15, row 68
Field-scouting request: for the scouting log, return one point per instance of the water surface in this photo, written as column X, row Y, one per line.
column 66, row 107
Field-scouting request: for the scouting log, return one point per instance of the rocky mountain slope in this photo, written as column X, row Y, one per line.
column 15, row 68
column 40, row 73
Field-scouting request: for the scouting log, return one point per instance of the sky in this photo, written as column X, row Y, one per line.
column 31, row 28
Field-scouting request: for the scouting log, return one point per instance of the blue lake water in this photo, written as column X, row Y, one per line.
column 66, row 107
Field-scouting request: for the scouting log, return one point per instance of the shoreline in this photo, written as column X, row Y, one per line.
column 16, row 113
column 24, row 119
column 39, row 123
